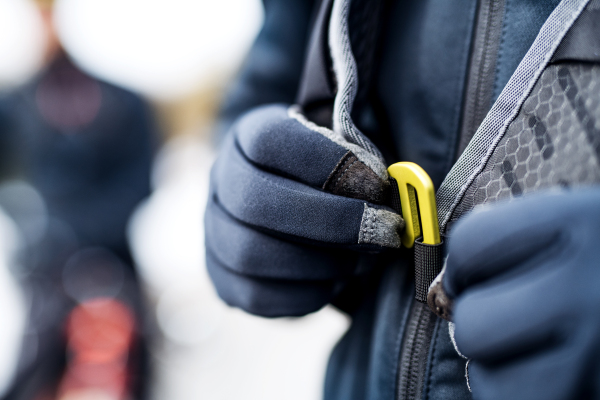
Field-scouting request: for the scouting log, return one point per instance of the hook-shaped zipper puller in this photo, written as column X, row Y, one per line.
column 417, row 202
column 417, row 198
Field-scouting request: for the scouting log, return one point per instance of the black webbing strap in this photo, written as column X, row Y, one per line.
column 429, row 260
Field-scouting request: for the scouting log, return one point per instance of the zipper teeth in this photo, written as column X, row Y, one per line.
column 408, row 368
column 415, row 346
column 407, row 354
column 478, row 95
column 488, row 63
column 480, row 84
column 416, row 349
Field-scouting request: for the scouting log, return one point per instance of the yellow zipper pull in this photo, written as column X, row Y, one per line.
column 417, row 197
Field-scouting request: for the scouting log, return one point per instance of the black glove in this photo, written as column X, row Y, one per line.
column 526, row 278
column 291, row 208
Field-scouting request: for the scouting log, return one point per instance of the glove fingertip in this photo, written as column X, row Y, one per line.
column 380, row 227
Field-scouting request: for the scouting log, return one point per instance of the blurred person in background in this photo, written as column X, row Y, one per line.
column 76, row 155
column 495, row 100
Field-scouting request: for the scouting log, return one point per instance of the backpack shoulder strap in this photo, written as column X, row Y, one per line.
column 505, row 109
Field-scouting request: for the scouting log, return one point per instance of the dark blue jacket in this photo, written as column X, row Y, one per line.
column 422, row 87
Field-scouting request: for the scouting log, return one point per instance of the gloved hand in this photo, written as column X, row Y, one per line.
column 525, row 276
column 291, row 207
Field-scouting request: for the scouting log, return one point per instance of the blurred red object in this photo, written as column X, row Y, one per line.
column 100, row 333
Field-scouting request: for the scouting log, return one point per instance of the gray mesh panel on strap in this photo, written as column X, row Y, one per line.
column 483, row 146
column 553, row 142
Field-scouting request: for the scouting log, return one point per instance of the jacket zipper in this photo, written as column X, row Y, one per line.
column 480, row 81
column 477, row 102
column 415, row 349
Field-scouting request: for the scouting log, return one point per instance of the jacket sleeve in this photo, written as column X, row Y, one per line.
column 272, row 69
